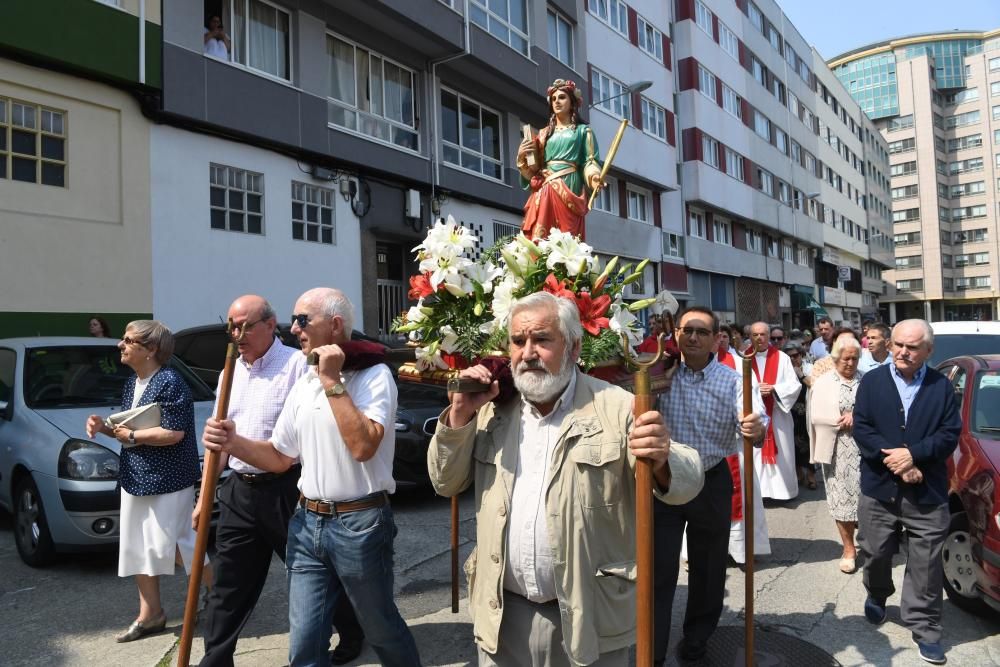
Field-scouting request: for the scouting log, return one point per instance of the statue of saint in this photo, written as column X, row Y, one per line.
column 557, row 196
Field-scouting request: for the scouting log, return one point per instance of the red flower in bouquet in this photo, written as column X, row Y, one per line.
column 420, row 286
column 558, row 287
column 592, row 312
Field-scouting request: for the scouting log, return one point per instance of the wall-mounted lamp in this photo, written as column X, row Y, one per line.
column 635, row 87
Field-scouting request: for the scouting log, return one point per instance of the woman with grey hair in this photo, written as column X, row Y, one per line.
column 831, row 441
column 158, row 470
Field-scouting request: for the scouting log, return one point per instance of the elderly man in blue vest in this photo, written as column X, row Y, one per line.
column 906, row 424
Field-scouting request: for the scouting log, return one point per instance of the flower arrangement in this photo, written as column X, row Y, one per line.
column 463, row 305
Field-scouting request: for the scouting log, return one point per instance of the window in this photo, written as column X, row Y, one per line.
column 996, row 112
column 673, row 245
column 774, row 38
column 612, row 12
column 802, row 255
column 790, row 56
column 312, row 214
column 787, row 251
column 755, row 242
column 784, row 192
column 32, row 143
column 507, row 20
column 755, row 16
column 903, row 168
column 945, row 261
column 650, row 39
column 772, row 246
column 731, row 102
column 607, row 197
column 915, row 284
column 734, row 164
column 793, row 104
column 654, row 119
column 911, row 238
column 237, row 199
column 994, row 64
column 906, row 215
column 757, row 67
column 706, row 83
column 810, row 162
column 560, row 38
column 966, row 142
column 905, row 192
column 261, row 37
column 371, row 95
column 766, row 182
column 967, row 95
column 965, row 189
column 900, row 123
column 995, row 89
column 963, row 166
column 908, row 262
column 696, row 224
column 638, row 205
column 970, row 236
column 972, row 282
column 962, row 119
column 605, row 87
column 796, row 152
column 703, row 17
column 470, row 135
column 761, row 125
column 972, row 259
column 710, row 150
column 966, row 212
column 902, row 146
column 722, row 231
column 729, row 42
column 781, row 140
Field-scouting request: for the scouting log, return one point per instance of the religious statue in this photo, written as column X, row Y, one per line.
column 557, row 199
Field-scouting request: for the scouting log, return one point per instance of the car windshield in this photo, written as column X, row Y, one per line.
column 947, row 346
column 986, row 403
column 86, row 375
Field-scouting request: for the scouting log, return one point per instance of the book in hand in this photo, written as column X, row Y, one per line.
column 144, row 416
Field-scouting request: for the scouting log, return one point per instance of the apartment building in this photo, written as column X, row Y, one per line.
column 936, row 100
column 773, row 177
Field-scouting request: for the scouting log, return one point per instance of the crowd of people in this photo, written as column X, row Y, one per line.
column 551, row 580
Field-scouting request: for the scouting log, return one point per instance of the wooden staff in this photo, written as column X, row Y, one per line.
column 209, row 478
column 643, row 513
column 748, row 521
column 609, row 158
column 454, row 554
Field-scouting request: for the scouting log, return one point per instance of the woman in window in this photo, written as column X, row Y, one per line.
column 557, row 198
column 158, row 470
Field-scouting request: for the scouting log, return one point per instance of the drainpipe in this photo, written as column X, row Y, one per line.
column 142, row 41
column 435, row 101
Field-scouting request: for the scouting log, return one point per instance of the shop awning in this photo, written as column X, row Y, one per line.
column 819, row 310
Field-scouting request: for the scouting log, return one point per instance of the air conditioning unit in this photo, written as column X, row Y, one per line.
column 412, row 203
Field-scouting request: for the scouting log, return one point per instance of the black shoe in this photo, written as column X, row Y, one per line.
column 930, row 652
column 689, row 650
column 347, row 650
column 875, row 611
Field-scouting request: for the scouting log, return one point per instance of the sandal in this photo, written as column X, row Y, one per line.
column 140, row 629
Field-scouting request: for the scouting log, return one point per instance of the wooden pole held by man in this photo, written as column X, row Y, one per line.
column 207, row 496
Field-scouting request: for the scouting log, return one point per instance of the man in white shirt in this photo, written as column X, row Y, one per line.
column 255, row 506
column 551, row 581
column 779, row 386
column 821, row 345
column 339, row 424
column 877, row 353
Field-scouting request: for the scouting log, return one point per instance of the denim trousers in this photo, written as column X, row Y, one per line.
column 330, row 556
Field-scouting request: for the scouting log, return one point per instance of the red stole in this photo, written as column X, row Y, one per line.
column 769, row 454
column 725, row 358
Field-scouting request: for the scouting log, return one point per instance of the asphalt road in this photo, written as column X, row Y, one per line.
column 67, row 614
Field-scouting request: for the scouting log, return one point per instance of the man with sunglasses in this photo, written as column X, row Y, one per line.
column 339, row 423
column 703, row 407
column 255, row 506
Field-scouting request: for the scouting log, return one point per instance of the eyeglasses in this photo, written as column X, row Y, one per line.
column 302, row 320
column 132, row 341
column 237, row 328
column 692, row 331
column 777, row 338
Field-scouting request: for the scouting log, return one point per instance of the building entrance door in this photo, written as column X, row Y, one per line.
column 391, row 286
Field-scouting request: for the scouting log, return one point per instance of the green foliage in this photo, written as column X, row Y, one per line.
column 595, row 349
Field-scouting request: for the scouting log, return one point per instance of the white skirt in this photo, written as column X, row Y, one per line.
column 152, row 529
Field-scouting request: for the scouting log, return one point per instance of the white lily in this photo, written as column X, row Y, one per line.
column 484, row 274
column 564, row 248
column 415, row 314
column 623, row 321
column 503, row 299
column 429, row 358
column 449, row 339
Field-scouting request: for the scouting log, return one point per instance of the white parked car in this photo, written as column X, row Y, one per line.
column 62, row 487
column 955, row 339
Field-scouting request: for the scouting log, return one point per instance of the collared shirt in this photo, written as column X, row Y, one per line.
column 258, row 393
column 818, row 349
column 702, row 409
column 908, row 390
column 868, row 363
column 307, row 430
column 529, row 570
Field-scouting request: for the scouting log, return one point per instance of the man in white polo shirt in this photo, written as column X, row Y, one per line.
column 339, row 424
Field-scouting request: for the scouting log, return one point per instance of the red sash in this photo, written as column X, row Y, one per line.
column 727, row 359
column 724, row 357
column 769, row 454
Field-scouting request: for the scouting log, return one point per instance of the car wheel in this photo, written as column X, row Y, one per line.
column 31, row 530
column 959, row 567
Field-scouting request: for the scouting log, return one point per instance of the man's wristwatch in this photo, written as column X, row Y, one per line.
column 131, row 437
column 335, row 390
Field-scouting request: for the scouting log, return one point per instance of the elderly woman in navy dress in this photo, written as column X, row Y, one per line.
column 159, row 469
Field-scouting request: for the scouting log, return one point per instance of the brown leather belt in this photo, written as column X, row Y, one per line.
column 331, row 508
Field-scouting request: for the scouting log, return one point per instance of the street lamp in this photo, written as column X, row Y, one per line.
column 636, row 87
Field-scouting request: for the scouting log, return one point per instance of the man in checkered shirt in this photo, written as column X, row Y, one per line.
column 703, row 407
column 255, row 506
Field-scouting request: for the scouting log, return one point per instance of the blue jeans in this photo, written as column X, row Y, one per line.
column 329, row 556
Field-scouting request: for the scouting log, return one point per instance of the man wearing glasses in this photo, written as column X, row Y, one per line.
column 703, row 407
column 339, row 423
column 256, row 506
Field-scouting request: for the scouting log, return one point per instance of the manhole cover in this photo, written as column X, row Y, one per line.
column 771, row 649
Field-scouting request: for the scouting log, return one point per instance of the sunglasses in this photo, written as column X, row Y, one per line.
column 774, row 338
column 132, row 341
column 302, row 320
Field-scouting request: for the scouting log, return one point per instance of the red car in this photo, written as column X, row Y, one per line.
column 971, row 555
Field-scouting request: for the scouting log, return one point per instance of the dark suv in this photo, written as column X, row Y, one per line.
column 203, row 349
